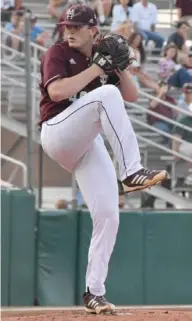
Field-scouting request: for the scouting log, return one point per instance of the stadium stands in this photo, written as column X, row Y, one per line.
column 13, row 95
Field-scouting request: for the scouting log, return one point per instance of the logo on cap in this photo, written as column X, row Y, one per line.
column 70, row 14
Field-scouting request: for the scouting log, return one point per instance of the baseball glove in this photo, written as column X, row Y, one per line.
column 112, row 53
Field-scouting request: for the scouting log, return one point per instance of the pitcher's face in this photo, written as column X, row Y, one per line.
column 78, row 36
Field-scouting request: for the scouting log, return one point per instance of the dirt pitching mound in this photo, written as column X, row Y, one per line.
column 124, row 314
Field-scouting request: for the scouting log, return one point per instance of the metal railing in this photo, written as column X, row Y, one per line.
column 14, row 62
column 18, row 163
column 145, row 110
column 15, row 67
column 35, row 63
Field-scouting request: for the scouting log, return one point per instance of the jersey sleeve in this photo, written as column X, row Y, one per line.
column 54, row 65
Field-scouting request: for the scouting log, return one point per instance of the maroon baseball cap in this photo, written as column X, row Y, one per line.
column 79, row 15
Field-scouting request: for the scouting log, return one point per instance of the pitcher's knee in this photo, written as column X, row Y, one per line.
column 110, row 91
column 108, row 210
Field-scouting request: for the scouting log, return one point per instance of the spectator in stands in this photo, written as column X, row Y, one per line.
column 183, row 75
column 125, row 29
column 7, row 7
column 168, row 63
column 184, row 9
column 144, row 17
column 14, row 42
column 184, row 148
column 101, row 8
column 185, row 12
column 179, row 39
column 38, row 34
column 135, row 41
column 188, row 64
column 162, row 110
column 131, row 3
column 121, row 13
column 14, row 21
column 107, row 8
column 9, row 4
column 185, row 101
column 56, row 8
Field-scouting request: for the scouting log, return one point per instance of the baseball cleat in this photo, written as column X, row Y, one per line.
column 97, row 304
column 144, row 178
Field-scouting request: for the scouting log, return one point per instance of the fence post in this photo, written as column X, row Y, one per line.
column 29, row 111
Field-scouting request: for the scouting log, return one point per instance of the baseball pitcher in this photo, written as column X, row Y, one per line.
column 83, row 89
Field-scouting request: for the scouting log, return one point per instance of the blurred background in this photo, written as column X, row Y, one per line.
column 162, row 116
column 46, row 227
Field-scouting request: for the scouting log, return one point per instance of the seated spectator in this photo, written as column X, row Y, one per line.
column 135, row 41
column 107, row 8
column 56, row 8
column 120, row 14
column 14, row 21
column 168, row 63
column 183, row 75
column 14, row 42
column 131, row 3
column 185, row 101
column 18, row 4
column 188, row 64
column 161, row 109
column 184, row 148
column 125, row 29
column 38, row 34
column 101, row 8
column 179, row 39
column 184, row 10
column 6, row 10
column 144, row 17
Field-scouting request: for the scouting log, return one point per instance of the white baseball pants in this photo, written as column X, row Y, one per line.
column 73, row 140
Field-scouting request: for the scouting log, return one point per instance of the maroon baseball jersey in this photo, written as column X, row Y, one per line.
column 61, row 61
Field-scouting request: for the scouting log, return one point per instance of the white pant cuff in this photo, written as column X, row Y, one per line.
column 97, row 292
column 131, row 172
